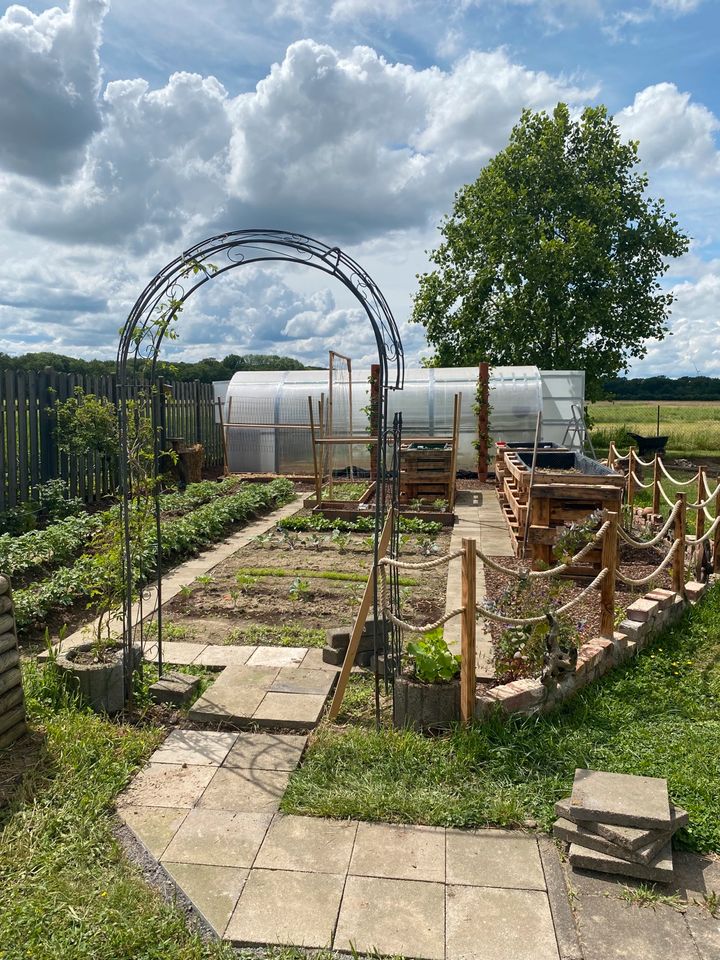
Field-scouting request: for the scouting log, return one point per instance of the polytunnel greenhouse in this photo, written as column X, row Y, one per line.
column 267, row 413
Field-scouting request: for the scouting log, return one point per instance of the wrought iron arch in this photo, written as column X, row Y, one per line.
column 151, row 320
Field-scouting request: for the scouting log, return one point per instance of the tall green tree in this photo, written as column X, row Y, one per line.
column 553, row 256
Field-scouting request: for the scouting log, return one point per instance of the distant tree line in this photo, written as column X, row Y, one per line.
column 204, row 370
column 663, row 388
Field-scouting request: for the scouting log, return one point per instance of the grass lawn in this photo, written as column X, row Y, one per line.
column 657, row 716
column 693, row 428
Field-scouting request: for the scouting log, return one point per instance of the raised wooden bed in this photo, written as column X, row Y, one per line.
column 427, row 472
column 567, row 488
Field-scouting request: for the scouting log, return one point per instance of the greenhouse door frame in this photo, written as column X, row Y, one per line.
column 151, row 320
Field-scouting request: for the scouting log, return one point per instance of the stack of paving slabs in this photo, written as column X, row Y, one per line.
column 616, row 823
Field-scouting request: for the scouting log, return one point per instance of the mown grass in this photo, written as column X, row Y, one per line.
column 691, row 428
column 657, row 716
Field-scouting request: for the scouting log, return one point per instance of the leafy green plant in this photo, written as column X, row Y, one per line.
column 85, row 423
column 427, row 546
column 299, row 589
column 416, row 504
column 245, row 582
column 431, row 658
column 340, row 540
column 441, row 505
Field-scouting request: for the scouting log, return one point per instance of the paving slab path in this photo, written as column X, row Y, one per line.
column 479, row 517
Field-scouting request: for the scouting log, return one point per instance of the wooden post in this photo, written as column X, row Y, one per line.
column 350, row 420
column 607, row 587
column 331, row 449
column 539, row 516
column 716, row 535
column 656, row 484
column 468, row 668
column 700, row 518
column 362, row 614
column 223, row 436
column 318, row 478
column 612, row 454
column 457, row 407
column 678, row 564
column 483, row 421
column 630, row 481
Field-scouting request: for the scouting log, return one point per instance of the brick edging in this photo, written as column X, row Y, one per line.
column 645, row 618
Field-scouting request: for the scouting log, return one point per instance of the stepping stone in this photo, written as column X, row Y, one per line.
column 573, row 833
column 214, row 891
column 627, row 838
column 277, row 656
column 399, row 852
column 220, row 655
column 313, row 660
column 195, row 747
column 175, row 688
column 218, row 837
column 286, row 908
column 257, row 791
column 490, row 858
column 393, row 918
column 294, row 711
column 489, row 924
column 235, row 696
column 661, row 871
column 622, row 799
column 174, row 651
column 154, row 826
column 308, row 844
column 167, row 785
column 302, row 680
column 266, row 751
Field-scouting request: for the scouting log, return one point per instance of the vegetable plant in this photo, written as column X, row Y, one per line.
column 432, row 660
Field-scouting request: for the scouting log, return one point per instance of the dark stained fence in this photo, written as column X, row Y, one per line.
column 29, row 454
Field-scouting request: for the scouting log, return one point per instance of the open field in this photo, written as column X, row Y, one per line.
column 693, row 427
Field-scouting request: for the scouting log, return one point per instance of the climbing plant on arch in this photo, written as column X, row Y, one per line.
column 152, row 320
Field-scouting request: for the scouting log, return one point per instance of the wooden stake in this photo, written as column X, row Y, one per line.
column 360, row 619
column 483, row 421
column 678, row 564
column 224, row 437
column 526, row 530
column 318, row 478
column 468, row 665
column 607, row 587
column 630, row 481
column 350, row 425
column 700, row 519
column 457, row 407
column 656, row 484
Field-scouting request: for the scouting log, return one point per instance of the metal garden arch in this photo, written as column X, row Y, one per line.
column 151, row 320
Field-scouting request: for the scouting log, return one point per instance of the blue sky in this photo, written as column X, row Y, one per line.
column 131, row 130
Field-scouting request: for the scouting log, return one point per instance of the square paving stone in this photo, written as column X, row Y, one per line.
column 250, row 790
column 175, row 651
column 705, row 930
column 154, row 826
column 195, row 747
column 313, row 661
column 277, row 656
column 493, row 858
column 484, row 923
column 167, row 785
column 284, row 907
column 631, row 838
column 573, row 833
column 392, row 917
column 612, row 930
column 296, row 711
column 214, row 891
column 223, row 655
column 267, row 751
column 235, row 695
column 660, row 871
column 219, row 838
column 621, row 798
column 308, row 843
column 303, row 680
column 399, row 852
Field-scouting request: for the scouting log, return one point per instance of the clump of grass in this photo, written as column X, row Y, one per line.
column 285, row 636
column 647, row 896
column 67, row 890
column 656, row 716
column 338, row 575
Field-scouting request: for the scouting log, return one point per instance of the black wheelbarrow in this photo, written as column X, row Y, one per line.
column 648, row 445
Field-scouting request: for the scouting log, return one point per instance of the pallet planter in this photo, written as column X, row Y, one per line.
column 426, row 472
column 567, row 488
column 337, row 508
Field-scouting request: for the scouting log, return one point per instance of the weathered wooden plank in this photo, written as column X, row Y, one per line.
column 22, row 437
column 11, row 437
column 3, row 456
column 33, row 430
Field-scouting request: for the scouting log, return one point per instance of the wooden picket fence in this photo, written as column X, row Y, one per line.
column 29, row 454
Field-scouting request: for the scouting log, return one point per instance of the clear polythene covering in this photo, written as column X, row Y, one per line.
column 273, row 398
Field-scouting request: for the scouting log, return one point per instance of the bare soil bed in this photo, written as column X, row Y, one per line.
column 544, row 593
column 239, row 605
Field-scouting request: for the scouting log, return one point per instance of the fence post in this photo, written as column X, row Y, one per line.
column 483, row 420
column 678, row 564
column 630, row 481
column 607, row 587
column 700, row 519
column 468, row 680
column 656, row 484
column 611, row 455
column 716, row 536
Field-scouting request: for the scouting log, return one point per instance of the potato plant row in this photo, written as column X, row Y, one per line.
column 88, row 577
